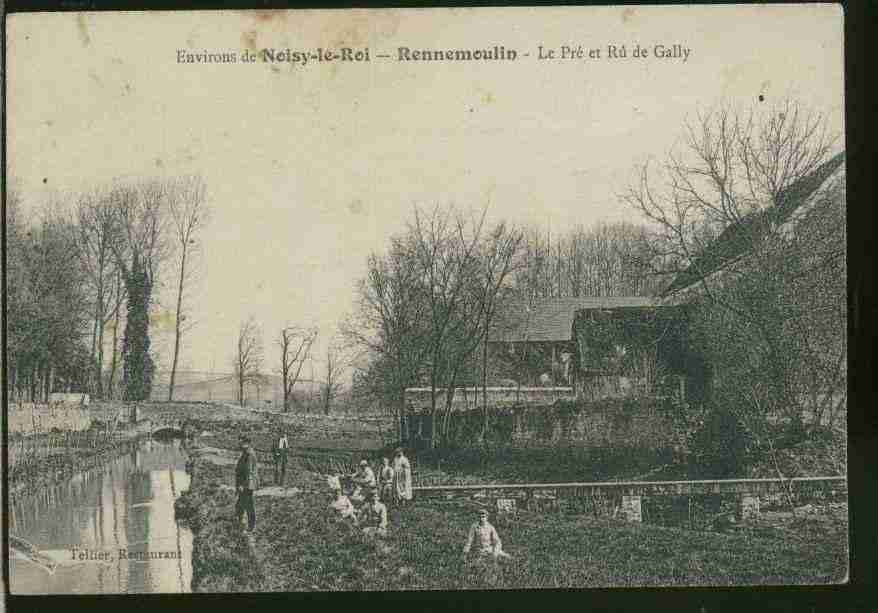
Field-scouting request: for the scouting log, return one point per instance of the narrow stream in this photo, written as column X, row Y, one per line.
column 108, row 530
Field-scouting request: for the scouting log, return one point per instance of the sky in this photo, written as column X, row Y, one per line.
column 310, row 169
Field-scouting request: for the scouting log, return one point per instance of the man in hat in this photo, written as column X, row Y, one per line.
column 281, row 449
column 483, row 534
column 374, row 515
column 402, row 478
column 246, row 482
column 363, row 479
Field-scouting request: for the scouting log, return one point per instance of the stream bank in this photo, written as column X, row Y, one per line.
column 92, row 448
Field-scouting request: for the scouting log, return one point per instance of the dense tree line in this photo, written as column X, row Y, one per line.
column 427, row 305
column 81, row 278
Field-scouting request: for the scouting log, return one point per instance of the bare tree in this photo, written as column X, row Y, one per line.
column 139, row 246
column 96, row 225
column 498, row 260
column 607, row 259
column 444, row 247
column 116, row 323
column 248, row 357
column 295, row 347
column 189, row 214
column 730, row 164
column 390, row 324
column 335, row 366
column 426, row 305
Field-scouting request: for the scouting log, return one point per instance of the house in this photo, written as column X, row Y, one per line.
column 595, row 346
column 787, row 261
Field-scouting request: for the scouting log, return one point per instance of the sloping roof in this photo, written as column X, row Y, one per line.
column 551, row 319
column 735, row 241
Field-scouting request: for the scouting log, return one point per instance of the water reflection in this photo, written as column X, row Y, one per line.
column 110, row 529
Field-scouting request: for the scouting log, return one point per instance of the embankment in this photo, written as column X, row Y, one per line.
column 52, row 458
column 222, row 555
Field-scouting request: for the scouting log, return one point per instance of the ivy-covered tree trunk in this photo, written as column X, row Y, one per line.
column 138, row 366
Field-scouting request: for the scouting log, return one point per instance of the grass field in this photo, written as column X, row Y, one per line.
column 298, row 546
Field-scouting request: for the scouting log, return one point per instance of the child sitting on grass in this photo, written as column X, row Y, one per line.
column 343, row 506
column 485, row 536
column 374, row 515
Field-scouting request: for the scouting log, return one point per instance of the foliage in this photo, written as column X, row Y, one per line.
column 138, row 364
column 749, row 212
column 47, row 304
column 78, row 264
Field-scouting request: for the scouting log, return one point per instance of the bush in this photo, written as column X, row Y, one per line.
column 719, row 446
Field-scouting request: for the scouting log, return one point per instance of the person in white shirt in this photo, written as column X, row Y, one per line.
column 483, row 534
column 363, row 479
column 281, row 450
column 402, row 478
column 343, row 506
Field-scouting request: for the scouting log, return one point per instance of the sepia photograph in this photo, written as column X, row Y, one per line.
column 425, row 299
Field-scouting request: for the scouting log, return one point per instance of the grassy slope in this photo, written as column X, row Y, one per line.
column 296, row 546
column 301, row 550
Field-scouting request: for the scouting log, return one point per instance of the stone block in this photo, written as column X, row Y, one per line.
column 631, row 508
column 506, row 506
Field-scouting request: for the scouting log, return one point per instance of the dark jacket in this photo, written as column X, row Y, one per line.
column 247, row 470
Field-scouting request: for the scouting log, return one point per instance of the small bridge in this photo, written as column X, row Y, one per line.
column 631, row 492
column 166, row 423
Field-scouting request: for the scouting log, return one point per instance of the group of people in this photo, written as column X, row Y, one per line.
column 366, row 503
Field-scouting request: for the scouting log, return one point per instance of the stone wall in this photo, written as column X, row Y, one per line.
column 30, row 418
column 606, row 423
column 470, row 398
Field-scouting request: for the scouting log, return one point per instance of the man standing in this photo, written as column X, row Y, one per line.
column 281, row 449
column 246, row 482
column 385, row 481
column 402, row 478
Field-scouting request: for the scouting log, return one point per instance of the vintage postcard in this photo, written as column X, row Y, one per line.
column 418, row 299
